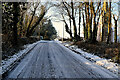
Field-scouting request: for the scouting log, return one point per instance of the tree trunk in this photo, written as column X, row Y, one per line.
column 115, row 31
column 15, row 21
column 118, row 58
column 79, row 20
column 106, row 13
column 67, row 28
column 74, row 23
column 27, row 34
column 88, row 21
column 70, row 28
column 91, row 11
column 86, row 27
column 115, row 36
column 75, row 29
column 21, row 25
column 94, row 29
column 32, row 28
column 109, row 25
column 94, row 36
column 102, row 37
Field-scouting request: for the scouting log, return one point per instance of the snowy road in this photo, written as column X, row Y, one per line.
column 52, row 60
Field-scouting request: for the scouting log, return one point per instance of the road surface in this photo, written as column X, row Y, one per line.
column 52, row 60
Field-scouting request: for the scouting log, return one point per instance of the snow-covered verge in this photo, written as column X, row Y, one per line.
column 106, row 63
column 8, row 63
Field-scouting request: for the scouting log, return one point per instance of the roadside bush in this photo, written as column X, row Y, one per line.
column 101, row 49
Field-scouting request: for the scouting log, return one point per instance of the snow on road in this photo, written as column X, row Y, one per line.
column 7, row 63
column 50, row 59
column 113, row 67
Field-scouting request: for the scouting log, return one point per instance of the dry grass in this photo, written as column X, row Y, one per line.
column 109, row 51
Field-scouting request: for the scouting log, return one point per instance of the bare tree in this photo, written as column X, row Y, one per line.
column 42, row 11
column 72, row 13
column 94, row 35
column 33, row 14
column 80, row 6
column 115, row 20
column 66, row 27
column 15, row 21
column 109, row 23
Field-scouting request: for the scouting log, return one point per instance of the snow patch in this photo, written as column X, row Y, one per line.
column 111, row 66
column 94, row 67
column 6, row 64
